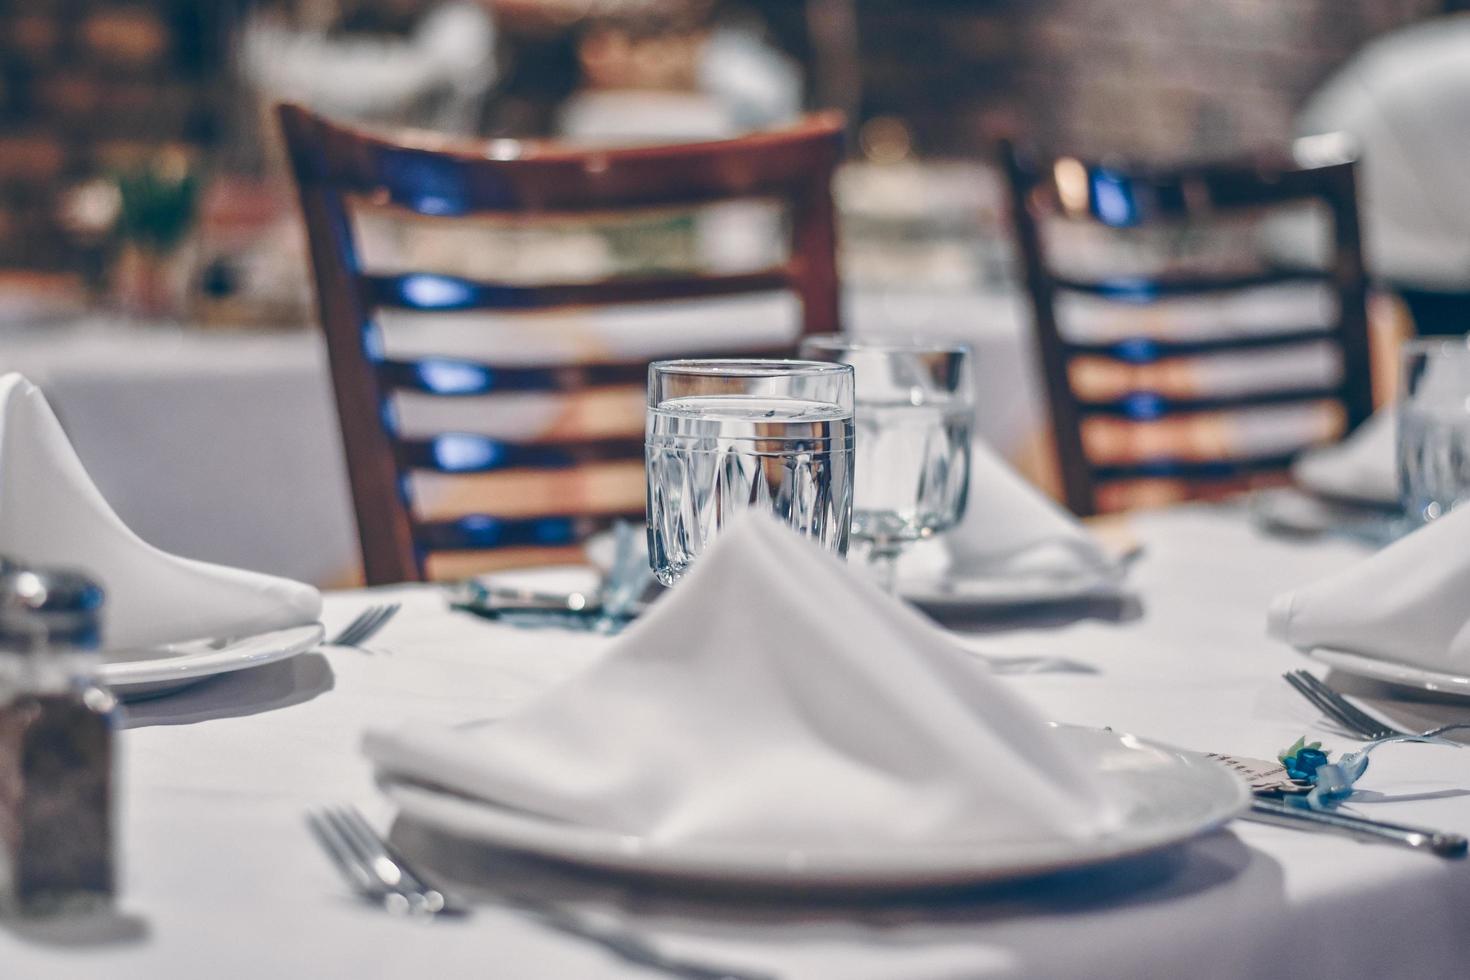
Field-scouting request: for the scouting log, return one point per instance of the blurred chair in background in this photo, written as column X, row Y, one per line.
column 1178, row 362
column 436, row 500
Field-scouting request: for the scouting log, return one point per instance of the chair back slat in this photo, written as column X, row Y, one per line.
column 1149, row 406
column 1119, row 201
column 424, row 291
column 342, row 172
column 1195, row 469
column 436, row 176
column 1143, row 289
column 1151, row 350
column 469, row 452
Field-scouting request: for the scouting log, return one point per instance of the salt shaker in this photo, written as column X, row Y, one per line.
column 56, row 746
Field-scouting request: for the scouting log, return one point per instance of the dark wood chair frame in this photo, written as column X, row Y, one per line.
column 433, row 176
column 1137, row 196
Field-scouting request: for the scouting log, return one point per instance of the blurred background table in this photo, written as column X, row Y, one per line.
column 223, row 444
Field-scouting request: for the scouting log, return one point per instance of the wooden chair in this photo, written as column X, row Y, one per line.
column 1068, row 192
column 337, row 169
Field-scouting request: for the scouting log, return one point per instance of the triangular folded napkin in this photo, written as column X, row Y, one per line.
column 1409, row 602
column 1011, row 529
column 52, row 515
column 1360, row 467
column 775, row 697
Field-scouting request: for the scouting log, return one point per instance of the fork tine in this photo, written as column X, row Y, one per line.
column 359, row 876
column 345, row 635
column 432, row 898
column 1326, row 708
column 1369, row 725
column 373, row 620
column 1329, row 708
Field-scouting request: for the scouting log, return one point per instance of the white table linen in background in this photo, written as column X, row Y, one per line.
column 52, row 516
column 761, row 702
column 221, row 879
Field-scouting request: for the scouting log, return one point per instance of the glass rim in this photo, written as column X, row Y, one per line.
column 750, row 367
column 896, row 342
column 1459, row 346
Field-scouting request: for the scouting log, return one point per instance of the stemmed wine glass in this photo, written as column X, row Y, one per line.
column 914, row 406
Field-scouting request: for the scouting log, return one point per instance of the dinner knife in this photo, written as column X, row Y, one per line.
column 1301, row 818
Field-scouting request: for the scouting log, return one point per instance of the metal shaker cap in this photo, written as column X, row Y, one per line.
column 48, row 607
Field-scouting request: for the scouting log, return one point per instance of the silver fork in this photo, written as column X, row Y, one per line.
column 378, row 872
column 366, row 625
column 1339, row 708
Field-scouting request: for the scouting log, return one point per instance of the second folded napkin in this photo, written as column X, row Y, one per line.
column 1409, row 602
column 776, row 698
column 52, row 515
column 1359, row 468
column 1011, row 529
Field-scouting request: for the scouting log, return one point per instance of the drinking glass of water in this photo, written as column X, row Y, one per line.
column 915, row 407
column 1434, row 427
column 724, row 436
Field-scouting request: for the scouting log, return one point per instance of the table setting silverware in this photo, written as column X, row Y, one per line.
column 380, row 874
column 1295, row 817
column 365, row 625
column 618, row 599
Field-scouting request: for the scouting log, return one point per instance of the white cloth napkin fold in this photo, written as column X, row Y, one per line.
column 1409, row 602
column 1011, row 529
column 776, row 698
column 51, row 514
column 1360, row 467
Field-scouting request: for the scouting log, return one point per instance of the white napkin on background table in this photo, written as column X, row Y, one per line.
column 52, row 515
column 1012, row 529
column 1361, row 467
column 775, row 697
column 1409, row 602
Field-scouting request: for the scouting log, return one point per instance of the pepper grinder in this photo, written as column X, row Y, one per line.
column 56, row 746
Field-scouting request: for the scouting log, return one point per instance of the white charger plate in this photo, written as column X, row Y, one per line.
column 134, row 674
column 1405, row 675
column 1169, row 796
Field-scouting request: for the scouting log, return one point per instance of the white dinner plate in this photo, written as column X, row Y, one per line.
column 1406, row 675
column 1169, row 796
column 147, row 673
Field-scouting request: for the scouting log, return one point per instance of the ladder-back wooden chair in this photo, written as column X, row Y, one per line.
column 339, row 170
column 1136, row 410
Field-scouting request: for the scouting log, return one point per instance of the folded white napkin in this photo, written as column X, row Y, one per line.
column 776, row 697
column 51, row 514
column 1360, row 467
column 1012, row 530
column 1409, row 602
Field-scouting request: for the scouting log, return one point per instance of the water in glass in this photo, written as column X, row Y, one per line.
column 711, row 456
column 912, row 469
column 1434, row 460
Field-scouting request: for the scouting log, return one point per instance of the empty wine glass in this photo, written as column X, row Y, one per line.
column 913, row 411
column 724, row 436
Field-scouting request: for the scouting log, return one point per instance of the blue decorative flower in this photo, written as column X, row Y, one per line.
column 1303, row 760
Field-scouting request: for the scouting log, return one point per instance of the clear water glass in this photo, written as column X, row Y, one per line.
column 724, row 436
column 1434, row 427
column 915, row 407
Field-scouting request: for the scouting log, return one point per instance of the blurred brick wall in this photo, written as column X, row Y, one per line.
column 1153, row 78
column 1169, row 78
column 91, row 85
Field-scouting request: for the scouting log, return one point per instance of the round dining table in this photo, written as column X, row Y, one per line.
column 221, row 879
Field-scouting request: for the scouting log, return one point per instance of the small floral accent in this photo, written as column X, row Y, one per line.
column 1303, row 760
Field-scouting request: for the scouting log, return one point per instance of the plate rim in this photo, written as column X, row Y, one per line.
column 209, row 662
column 740, row 865
column 1392, row 672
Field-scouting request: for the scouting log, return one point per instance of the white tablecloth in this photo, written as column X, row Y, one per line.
column 223, row 445
column 222, row 880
